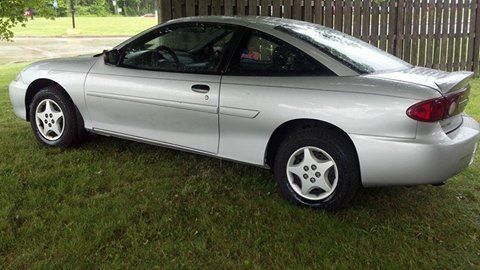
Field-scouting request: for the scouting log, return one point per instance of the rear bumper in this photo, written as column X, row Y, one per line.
column 16, row 92
column 427, row 160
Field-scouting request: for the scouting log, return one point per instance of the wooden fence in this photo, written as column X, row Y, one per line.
column 441, row 34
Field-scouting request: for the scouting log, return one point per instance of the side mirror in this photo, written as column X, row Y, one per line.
column 111, row 57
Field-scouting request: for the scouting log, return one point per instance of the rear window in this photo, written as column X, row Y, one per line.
column 352, row 52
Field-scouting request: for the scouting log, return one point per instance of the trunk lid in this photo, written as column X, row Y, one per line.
column 451, row 85
column 442, row 81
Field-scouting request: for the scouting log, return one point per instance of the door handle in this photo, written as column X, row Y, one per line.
column 200, row 88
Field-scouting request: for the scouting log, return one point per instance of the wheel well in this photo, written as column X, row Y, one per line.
column 36, row 86
column 287, row 128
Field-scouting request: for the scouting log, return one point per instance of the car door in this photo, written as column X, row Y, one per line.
column 165, row 88
column 261, row 90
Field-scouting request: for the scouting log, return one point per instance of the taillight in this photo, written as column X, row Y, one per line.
column 429, row 110
column 437, row 109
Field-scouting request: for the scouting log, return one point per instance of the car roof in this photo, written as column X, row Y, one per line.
column 257, row 21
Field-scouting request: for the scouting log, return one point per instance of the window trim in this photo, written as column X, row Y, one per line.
column 247, row 33
column 150, row 35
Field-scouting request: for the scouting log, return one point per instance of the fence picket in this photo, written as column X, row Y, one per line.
column 392, row 26
column 415, row 32
column 451, row 35
column 328, row 13
column 438, row 38
column 357, row 18
column 216, row 7
column 318, row 7
column 458, row 28
column 471, row 36
column 408, row 31
column 202, row 8
column 374, row 26
column 277, row 8
column 444, row 46
column 366, row 20
column 288, row 9
column 464, row 38
column 338, row 15
column 476, row 46
column 252, row 7
column 423, row 32
column 265, row 11
column 176, row 9
column 190, row 7
column 297, row 9
column 308, row 11
column 347, row 26
column 383, row 26
column 400, row 30
column 430, row 28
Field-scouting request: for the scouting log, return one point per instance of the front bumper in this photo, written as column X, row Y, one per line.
column 428, row 160
column 17, row 91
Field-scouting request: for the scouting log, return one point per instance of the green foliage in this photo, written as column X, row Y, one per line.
column 136, row 7
column 86, row 25
column 96, row 10
column 93, row 7
column 12, row 13
column 63, row 8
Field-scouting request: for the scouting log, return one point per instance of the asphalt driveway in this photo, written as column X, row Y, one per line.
column 31, row 49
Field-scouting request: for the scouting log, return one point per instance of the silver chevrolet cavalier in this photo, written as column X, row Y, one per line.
column 326, row 111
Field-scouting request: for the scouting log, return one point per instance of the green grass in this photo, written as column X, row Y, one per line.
column 116, row 204
column 85, row 26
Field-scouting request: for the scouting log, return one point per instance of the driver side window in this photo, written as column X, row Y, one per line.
column 196, row 48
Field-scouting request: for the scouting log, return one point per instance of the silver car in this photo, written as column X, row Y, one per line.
column 326, row 111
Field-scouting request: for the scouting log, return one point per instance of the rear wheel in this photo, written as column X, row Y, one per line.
column 317, row 168
column 53, row 118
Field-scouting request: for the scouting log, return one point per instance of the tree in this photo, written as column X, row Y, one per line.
column 12, row 13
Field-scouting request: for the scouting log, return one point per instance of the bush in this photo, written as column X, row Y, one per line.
column 97, row 10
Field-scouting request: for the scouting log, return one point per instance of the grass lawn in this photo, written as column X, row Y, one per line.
column 85, row 26
column 115, row 204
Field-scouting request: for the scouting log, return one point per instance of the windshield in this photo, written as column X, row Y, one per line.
column 354, row 53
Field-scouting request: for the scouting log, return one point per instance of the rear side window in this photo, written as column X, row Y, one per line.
column 352, row 52
column 262, row 54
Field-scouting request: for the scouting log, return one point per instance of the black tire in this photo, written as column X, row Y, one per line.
column 71, row 132
column 339, row 148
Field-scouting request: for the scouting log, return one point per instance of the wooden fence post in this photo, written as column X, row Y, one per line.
column 164, row 10
column 476, row 46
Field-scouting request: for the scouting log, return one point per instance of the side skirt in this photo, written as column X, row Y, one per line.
column 169, row 146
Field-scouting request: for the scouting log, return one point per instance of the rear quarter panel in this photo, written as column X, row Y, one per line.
column 251, row 108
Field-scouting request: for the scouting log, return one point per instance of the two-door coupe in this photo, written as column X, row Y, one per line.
column 328, row 112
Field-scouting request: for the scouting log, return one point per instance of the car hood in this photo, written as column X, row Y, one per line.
column 81, row 64
column 442, row 81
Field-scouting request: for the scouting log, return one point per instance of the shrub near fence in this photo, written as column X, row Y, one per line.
column 442, row 34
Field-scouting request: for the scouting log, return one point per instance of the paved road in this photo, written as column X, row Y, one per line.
column 30, row 49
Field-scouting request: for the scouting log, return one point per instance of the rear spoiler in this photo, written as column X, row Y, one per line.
column 453, row 81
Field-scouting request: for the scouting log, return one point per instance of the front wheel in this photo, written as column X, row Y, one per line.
column 53, row 118
column 317, row 168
